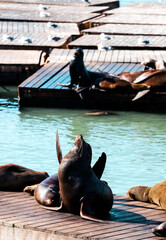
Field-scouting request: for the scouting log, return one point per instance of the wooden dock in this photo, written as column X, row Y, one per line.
column 43, row 89
column 23, row 218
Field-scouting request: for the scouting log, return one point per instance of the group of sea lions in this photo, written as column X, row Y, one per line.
column 77, row 187
column 152, row 78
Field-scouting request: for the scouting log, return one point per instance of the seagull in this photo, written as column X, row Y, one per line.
column 102, row 47
column 103, row 36
column 42, row 7
column 143, row 42
column 44, row 14
column 52, row 25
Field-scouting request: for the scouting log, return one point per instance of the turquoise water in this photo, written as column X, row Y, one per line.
column 135, row 143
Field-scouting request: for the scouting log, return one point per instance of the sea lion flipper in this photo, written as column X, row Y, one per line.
column 30, row 189
column 87, row 210
column 60, row 208
column 99, row 166
column 58, row 148
column 140, row 94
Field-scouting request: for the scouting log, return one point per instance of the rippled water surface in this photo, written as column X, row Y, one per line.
column 135, row 143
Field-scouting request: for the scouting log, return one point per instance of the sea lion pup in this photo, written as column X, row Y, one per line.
column 81, row 191
column 154, row 64
column 16, row 178
column 160, row 230
column 155, row 194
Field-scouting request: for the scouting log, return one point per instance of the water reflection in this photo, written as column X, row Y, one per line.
column 134, row 142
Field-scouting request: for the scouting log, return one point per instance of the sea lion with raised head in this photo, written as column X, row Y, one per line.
column 47, row 192
column 15, row 178
column 81, row 78
column 81, row 190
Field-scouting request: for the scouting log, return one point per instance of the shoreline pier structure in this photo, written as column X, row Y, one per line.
column 49, row 32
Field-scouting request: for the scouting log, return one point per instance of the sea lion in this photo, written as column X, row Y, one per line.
column 118, row 85
column 160, row 230
column 155, row 81
column 154, row 64
column 47, row 192
column 155, row 194
column 81, row 190
column 131, row 76
column 81, row 78
column 16, row 178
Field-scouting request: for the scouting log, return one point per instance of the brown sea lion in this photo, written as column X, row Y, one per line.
column 155, row 81
column 16, row 178
column 118, row 85
column 131, row 76
column 155, row 194
column 160, row 230
column 81, row 190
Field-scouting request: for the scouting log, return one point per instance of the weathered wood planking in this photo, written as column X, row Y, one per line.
column 51, row 8
column 154, row 5
column 21, row 214
column 110, row 3
column 46, row 16
column 118, row 42
column 131, row 19
column 160, row 10
column 59, row 29
column 33, row 41
column 127, row 29
column 122, row 56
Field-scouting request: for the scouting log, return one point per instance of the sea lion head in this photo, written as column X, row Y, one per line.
column 79, row 53
column 80, row 154
column 160, row 230
column 140, row 193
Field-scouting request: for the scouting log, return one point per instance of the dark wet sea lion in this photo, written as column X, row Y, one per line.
column 155, row 194
column 81, row 190
column 160, row 230
column 47, row 192
column 16, row 178
column 81, row 78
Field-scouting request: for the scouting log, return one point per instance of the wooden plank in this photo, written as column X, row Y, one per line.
column 129, row 219
column 125, row 29
column 46, row 16
column 110, row 3
column 131, row 19
column 118, row 42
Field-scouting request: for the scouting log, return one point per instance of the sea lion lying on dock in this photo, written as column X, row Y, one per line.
column 113, row 83
column 155, row 194
column 16, row 178
column 81, row 190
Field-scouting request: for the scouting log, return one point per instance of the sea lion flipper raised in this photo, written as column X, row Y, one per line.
column 58, row 148
column 99, row 166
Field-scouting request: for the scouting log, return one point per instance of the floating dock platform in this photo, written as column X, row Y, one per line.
column 23, row 218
